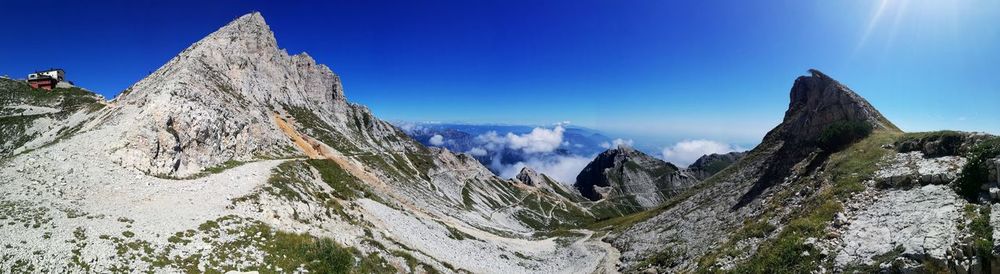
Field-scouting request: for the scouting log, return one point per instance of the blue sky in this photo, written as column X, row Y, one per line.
column 653, row 70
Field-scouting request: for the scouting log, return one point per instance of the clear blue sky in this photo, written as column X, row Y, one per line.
column 648, row 69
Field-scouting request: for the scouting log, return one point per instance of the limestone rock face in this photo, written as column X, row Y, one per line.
column 907, row 169
column 543, row 182
column 214, row 102
column 529, row 177
column 818, row 101
column 708, row 165
column 921, row 221
column 690, row 228
column 628, row 175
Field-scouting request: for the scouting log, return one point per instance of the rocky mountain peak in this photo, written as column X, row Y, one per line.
column 710, row 164
column 529, row 177
column 215, row 100
column 818, row 101
column 631, row 177
column 247, row 29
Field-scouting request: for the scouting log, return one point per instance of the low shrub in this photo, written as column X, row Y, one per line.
column 975, row 172
column 840, row 134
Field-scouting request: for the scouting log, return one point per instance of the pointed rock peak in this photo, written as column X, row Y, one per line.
column 620, row 150
column 253, row 18
column 248, row 28
column 529, row 176
column 818, row 101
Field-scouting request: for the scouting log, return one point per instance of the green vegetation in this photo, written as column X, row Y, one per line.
column 345, row 185
column 843, row 133
column 80, row 242
column 282, row 252
column 315, row 127
column 66, row 99
column 982, row 235
column 294, row 181
column 456, row 234
column 758, row 228
column 664, row 259
column 975, row 171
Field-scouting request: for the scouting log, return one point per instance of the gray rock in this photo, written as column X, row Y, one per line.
column 923, row 221
column 913, row 169
column 623, row 175
column 709, row 165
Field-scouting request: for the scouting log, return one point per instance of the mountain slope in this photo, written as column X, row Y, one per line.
column 702, row 219
column 709, row 165
column 31, row 118
column 235, row 155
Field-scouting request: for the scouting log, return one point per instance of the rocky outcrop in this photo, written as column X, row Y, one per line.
column 818, row 101
column 709, row 165
column 922, row 223
column 910, row 169
column 532, row 178
column 994, row 170
column 624, row 175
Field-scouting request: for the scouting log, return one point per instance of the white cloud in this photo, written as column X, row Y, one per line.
column 617, row 143
column 686, row 152
column 536, row 149
column 539, row 140
column 477, row 151
column 561, row 168
column 437, row 140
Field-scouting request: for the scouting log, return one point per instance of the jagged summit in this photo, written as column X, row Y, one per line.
column 708, row 165
column 629, row 177
column 215, row 101
column 818, row 101
column 529, row 177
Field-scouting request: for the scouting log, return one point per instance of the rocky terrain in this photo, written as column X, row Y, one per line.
column 30, row 119
column 626, row 180
column 237, row 156
column 709, row 165
column 835, row 187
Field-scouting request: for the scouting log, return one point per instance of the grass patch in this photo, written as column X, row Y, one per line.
column 982, row 236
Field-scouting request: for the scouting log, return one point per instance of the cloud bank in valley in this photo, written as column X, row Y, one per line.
column 686, row 152
column 537, row 150
column 437, row 140
column 561, row 168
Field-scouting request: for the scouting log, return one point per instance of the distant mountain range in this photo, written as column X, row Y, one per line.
column 469, row 138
